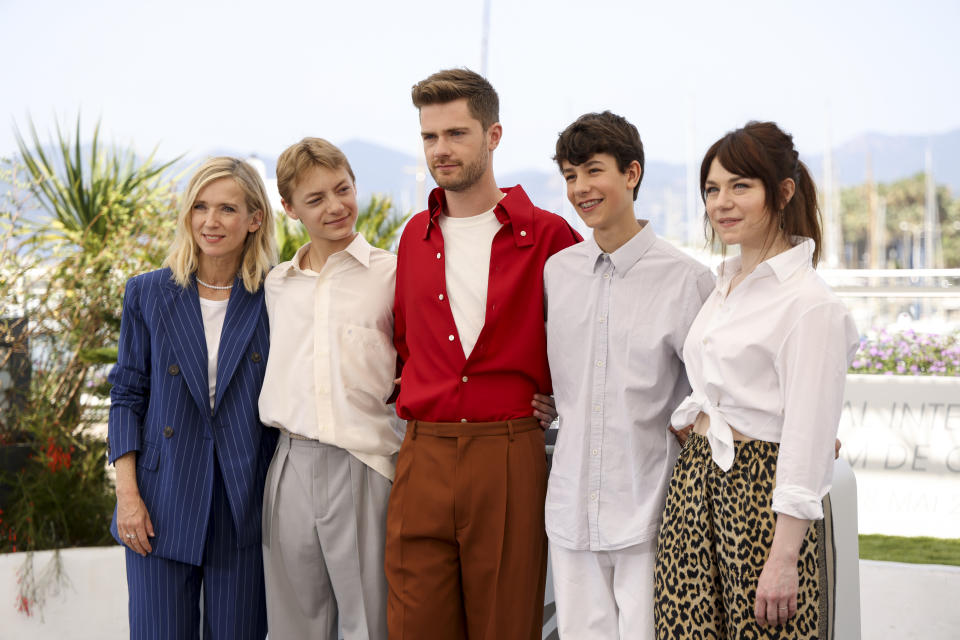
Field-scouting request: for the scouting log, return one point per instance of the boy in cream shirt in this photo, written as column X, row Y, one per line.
column 328, row 380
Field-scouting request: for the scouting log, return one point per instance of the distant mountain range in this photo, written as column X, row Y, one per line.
column 663, row 194
column 894, row 157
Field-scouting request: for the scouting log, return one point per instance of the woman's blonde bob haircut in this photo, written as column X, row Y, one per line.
column 260, row 247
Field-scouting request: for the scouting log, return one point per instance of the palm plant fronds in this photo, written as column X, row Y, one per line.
column 380, row 223
column 290, row 236
column 85, row 193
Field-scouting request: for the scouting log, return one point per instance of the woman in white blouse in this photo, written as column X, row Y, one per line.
column 741, row 550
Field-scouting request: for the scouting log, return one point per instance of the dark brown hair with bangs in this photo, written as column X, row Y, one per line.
column 452, row 84
column 763, row 151
column 605, row 132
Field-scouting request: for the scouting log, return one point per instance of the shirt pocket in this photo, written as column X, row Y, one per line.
column 368, row 361
column 647, row 350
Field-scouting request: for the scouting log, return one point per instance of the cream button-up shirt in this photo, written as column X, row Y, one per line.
column 332, row 362
column 770, row 360
column 615, row 330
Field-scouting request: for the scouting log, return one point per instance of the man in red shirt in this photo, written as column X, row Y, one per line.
column 466, row 549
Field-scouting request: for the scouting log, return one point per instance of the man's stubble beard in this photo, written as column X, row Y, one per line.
column 471, row 174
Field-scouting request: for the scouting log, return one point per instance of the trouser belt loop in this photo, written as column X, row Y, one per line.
column 510, row 429
column 413, row 423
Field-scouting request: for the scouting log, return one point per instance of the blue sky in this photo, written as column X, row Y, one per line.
column 256, row 76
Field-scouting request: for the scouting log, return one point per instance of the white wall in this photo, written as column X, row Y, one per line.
column 93, row 605
column 901, row 436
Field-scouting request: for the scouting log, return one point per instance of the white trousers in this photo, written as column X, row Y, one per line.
column 604, row 594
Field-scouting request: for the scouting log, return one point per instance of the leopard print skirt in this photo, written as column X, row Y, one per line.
column 716, row 534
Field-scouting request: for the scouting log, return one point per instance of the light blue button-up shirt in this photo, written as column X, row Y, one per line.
column 616, row 325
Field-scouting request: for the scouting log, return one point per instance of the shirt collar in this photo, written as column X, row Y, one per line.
column 783, row 265
column 787, row 263
column 358, row 248
column 514, row 209
column 626, row 256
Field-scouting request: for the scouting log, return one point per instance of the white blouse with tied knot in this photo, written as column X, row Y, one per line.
column 769, row 359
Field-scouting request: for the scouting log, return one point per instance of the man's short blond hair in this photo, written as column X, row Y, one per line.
column 452, row 84
column 307, row 154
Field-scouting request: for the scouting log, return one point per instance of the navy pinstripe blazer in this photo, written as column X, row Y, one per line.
column 160, row 407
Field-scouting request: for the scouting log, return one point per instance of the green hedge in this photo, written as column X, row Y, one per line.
column 919, row 550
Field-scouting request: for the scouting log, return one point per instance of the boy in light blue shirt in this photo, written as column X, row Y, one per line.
column 619, row 306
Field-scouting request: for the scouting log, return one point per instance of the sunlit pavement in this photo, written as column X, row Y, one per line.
column 905, row 601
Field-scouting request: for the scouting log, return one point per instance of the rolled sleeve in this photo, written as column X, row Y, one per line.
column 812, row 365
column 798, row 502
column 130, row 378
column 686, row 413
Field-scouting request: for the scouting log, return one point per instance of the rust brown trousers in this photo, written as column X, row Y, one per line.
column 466, row 549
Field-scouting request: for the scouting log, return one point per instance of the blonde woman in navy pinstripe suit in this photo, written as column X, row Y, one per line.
column 185, row 436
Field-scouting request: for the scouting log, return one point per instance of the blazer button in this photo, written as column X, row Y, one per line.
column 167, row 432
column 255, row 356
column 173, row 369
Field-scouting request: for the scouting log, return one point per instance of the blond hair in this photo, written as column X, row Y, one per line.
column 452, row 84
column 299, row 158
column 260, row 247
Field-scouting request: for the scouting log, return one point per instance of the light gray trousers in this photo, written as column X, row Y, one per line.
column 324, row 523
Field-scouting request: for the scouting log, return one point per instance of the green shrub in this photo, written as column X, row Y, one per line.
column 104, row 216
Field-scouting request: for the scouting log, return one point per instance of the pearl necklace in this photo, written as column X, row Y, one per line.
column 214, row 286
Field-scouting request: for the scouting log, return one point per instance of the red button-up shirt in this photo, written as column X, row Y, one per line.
column 509, row 362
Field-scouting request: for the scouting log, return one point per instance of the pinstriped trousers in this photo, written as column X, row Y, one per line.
column 164, row 595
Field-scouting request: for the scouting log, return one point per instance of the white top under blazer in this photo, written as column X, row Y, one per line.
column 213, row 313
column 770, row 360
